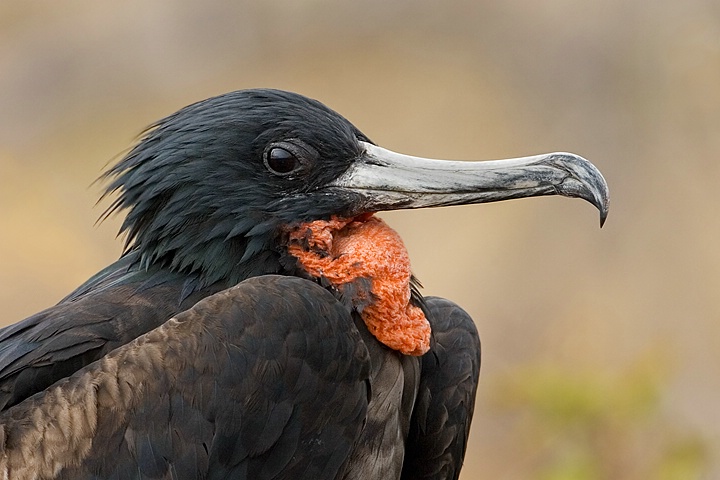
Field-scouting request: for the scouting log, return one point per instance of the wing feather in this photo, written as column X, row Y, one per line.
column 440, row 423
column 241, row 385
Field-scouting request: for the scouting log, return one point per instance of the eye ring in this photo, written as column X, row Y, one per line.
column 281, row 161
column 289, row 158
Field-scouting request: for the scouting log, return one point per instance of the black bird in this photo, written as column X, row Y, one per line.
column 244, row 332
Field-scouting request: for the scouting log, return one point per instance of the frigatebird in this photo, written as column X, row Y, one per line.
column 262, row 322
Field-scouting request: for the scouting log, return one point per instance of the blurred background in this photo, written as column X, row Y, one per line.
column 601, row 348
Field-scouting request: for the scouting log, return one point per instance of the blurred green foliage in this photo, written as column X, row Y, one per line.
column 581, row 424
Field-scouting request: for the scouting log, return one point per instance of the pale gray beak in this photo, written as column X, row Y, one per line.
column 387, row 180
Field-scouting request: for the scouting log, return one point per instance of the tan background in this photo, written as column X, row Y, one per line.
column 601, row 347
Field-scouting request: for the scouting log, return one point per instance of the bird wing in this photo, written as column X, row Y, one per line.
column 440, row 422
column 109, row 310
column 233, row 386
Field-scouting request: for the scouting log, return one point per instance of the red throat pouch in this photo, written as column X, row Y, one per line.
column 366, row 248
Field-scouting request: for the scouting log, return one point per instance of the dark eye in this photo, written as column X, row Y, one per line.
column 281, row 161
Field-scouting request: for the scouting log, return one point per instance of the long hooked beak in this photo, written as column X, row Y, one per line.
column 386, row 180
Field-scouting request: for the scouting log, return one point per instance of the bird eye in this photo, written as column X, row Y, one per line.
column 281, row 161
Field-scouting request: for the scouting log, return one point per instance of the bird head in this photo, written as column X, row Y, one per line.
column 213, row 188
